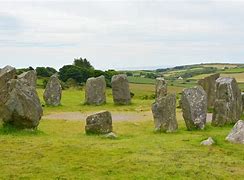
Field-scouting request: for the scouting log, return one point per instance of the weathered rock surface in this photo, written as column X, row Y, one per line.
column 6, row 74
column 121, row 90
column 29, row 78
column 99, row 123
column 237, row 133
column 161, row 87
column 95, row 91
column 53, row 92
column 209, row 86
column 194, row 107
column 164, row 113
column 228, row 103
column 20, row 105
column 208, row 142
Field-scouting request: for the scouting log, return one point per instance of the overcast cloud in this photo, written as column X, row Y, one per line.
column 117, row 34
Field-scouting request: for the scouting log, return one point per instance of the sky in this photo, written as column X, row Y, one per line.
column 119, row 34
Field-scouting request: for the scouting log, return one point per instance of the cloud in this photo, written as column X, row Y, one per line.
column 121, row 33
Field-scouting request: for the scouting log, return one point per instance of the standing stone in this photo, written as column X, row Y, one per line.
column 95, row 91
column 208, row 84
column 194, row 107
column 228, row 103
column 161, row 87
column 29, row 78
column 99, row 123
column 120, row 88
column 53, row 91
column 20, row 105
column 164, row 113
column 6, row 74
column 237, row 133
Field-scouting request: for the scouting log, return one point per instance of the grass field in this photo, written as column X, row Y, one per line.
column 73, row 100
column 61, row 150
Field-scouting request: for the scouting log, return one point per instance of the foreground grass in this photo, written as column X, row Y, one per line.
column 61, row 150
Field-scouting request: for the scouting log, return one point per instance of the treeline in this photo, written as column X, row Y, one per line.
column 74, row 74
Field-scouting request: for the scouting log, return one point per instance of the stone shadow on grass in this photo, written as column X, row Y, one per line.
column 8, row 129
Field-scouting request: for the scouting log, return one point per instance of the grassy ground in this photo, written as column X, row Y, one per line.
column 73, row 100
column 61, row 150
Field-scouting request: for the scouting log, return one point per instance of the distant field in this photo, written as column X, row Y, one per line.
column 238, row 76
column 141, row 80
column 241, row 85
column 200, row 76
column 220, row 66
column 233, row 70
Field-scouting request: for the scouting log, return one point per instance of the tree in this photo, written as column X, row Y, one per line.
column 45, row 71
column 80, row 75
column 83, row 63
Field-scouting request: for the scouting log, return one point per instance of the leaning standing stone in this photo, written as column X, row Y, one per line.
column 194, row 107
column 95, row 91
column 20, row 105
column 161, row 87
column 208, row 84
column 228, row 103
column 99, row 123
column 29, row 78
column 237, row 133
column 164, row 113
column 120, row 88
column 53, row 91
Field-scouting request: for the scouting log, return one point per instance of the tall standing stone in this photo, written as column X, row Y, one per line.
column 194, row 107
column 208, row 84
column 228, row 103
column 120, row 88
column 19, row 103
column 53, row 92
column 99, row 123
column 164, row 113
column 161, row 87
column 29, row 78
column 95, row 92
